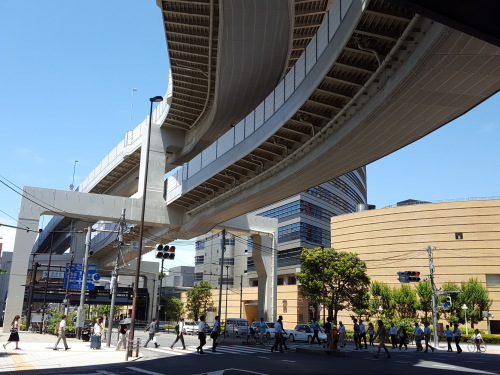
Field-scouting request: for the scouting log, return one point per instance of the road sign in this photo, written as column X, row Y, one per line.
column 76, row 276
column 300, row 299
column 134, row 245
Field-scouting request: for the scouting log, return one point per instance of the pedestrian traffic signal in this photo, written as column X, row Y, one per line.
column 448, row 300
column 413, row 276
column 165, row 251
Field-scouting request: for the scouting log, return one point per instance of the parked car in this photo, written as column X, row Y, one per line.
column 304, row 332
column 161, row 327
column 237, row 327
column 269, row 329
column 191, row 328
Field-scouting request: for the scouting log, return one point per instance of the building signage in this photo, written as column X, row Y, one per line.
column 76, row 275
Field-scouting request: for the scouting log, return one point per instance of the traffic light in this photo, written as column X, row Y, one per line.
column 165, row 252
column 413, row 276
column 402, row 277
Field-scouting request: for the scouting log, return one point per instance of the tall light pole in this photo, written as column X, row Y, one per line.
column 464, row 307
column 72, row 186
column 132, row 107
column 156, row 99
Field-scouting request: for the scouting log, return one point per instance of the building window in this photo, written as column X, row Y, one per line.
column 304, row 232
column 227, row 261
column 280, row 281
column 255, row 282
column 229, row 241
column 292, row 281
column 198, row 276
column 199, row 245
column 459, row 236
column 199, row 259
column 492, row 280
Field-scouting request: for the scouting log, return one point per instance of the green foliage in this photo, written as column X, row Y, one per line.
column 405, row 302
column 173, row 307
column 381, row 297
column 56, row 318
column 336, row 279
column 424, row 292
column 103, row 310
column 3, row 272
column 199, row 299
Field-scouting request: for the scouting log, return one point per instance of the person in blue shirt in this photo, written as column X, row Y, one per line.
column 457, row 335
column 449, row 337
column 315, row 327
column 427, row 337
column 262, row 329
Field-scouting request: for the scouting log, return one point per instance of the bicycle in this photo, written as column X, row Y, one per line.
column 472, row 346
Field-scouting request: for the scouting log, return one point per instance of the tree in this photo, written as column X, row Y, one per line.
column 406, row 302
column 381, row 297
column 199, row 299
column 337, row 279
column 424, row 292
column 173, row 307
column 476, row 297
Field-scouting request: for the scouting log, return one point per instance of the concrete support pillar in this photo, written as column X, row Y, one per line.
column 29, row 216
column 265, row 261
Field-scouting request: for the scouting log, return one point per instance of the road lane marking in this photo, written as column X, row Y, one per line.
column 145, row 371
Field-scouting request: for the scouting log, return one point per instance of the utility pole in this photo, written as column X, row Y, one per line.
column 34, row 267
column 223, row 250
column 433, row 289
column 227, row 288
column 80, row 320
column 114, row 277
column 241, row 293
column 42, row 324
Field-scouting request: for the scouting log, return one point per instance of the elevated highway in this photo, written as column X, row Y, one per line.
column 371, row 78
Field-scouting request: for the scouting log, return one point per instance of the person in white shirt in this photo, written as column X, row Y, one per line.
column 427, row 337
column 202, row 328
column 417, row 332
column 61, row 333
column 278, row 335
column 393, row 332
column 457, row 335
column 362, row 334
column 341, row 335
column 478, row 339
column 215, row 332
column 180, row 335
column 448, row 333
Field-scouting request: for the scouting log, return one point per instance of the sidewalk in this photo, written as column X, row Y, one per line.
column 36, row 353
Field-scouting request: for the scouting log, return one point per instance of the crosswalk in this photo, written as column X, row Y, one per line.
column 221, row 350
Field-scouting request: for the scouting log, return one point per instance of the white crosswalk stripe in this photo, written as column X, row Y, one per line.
column 221, row 349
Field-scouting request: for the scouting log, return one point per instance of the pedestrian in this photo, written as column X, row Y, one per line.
column 215, row 332
column 179, row 330
column 356, row 334
column 362, row 335
column 262, row 329
column 278, row 335
column 393, row 332
column 417, row 333
column 61, row 333
column 202, row 328
column 335, row 337
column 457, row 335
column 477, row 339
column 371, row 333
column 402, row 336
column 341, row 335
column 14, row 333
column 315, row 327
column 427, row 337
column 381, row 334
column 151, row 329
column 122, row 337
column 328, row 332
column 449, row 337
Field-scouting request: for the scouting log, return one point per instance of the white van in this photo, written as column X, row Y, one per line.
column 236, row 327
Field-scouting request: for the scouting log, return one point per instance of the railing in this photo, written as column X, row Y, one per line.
column 444, row 201
column 265, row 110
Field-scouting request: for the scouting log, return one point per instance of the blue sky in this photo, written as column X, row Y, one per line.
column 68, row 69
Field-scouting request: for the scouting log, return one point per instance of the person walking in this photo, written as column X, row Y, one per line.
column 122, row 337
column 278, row 335
column 449, row 337
column 151, row 329
column 328, row 332
column 362, row 335
column 202, row 328
column 477, row 339
column 315, row 328
column 427, row 337
column 215, row 332
column 457, row 335
column 356, row 334
column 180, row 334
column 402, row 336
column 61, row 333
column 14, row 333
column 262, row 329
column 371, row 333
column 381, row 334
column 417, row 333
column 394, row 336
column 342, row 335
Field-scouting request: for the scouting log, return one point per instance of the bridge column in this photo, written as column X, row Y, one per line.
column 29, row 216
column 265, row 261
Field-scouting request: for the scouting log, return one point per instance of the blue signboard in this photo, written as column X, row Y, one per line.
column 76, row 276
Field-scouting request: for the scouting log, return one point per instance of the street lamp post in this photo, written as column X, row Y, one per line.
column 156, row 99
column 464, row 307
column 380, row 309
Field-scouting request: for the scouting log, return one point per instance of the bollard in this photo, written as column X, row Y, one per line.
column 137, row 347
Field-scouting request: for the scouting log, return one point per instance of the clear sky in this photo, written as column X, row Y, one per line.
column 67, row 72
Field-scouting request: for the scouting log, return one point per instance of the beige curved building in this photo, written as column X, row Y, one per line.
column 464, row 237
